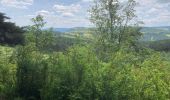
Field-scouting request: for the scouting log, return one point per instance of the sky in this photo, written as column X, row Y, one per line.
column 73, row 13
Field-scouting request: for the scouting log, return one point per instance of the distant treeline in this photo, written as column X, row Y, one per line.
column 161, row 45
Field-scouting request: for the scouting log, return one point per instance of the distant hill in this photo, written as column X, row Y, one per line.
column 155, row 33
column 63, row 30
column 149, row 33
column 75, row 29
column 160, row 45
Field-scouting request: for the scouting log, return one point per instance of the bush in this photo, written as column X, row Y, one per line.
column 79, row 75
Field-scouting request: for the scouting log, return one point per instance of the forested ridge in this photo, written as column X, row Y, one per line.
column 110, row 65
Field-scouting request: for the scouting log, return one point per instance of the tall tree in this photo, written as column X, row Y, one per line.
column 31, row 69
column 42, row 39
column 9, row 32
column 37, row 28
column 116, row 23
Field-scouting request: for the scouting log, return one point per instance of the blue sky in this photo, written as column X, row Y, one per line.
column 73, row 13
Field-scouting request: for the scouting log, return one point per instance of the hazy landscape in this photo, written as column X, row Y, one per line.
column 84, row 50
column 149, row 33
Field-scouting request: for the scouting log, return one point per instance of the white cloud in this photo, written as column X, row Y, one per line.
column 67, row 14
column 44, row 13
column 154, row 12
column 17, row 3
column 163, row 1
column 87, row 0
column 151, row 12
column 67, row 10
column 54, row 19
column 58, row 21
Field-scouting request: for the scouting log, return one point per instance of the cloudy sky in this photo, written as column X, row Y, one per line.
column 73, row 13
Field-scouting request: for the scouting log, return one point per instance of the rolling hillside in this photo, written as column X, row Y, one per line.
column 149, row 33
column 155, row 33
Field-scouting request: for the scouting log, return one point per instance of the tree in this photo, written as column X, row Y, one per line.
column 115, row 22
column 9, row 32
column 42, row 39
column 31, row 66
column 37, row 28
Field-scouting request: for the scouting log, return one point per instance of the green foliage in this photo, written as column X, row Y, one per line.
column 36, row 29
column 68, row 73
column 112, row 19
column 9, row 32
column 79, row 75
column 45, row 41
column 7, row 73
column 31, row 67
column 116, row 26
column 30, row 74
column 83, row 72
column 161, row 45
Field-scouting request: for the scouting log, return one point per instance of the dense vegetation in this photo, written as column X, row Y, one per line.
column 9, row 32
column 111, row 65
column 161, row 45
